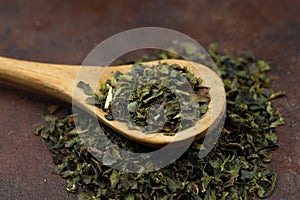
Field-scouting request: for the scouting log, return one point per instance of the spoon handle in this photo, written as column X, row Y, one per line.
column 54, row 79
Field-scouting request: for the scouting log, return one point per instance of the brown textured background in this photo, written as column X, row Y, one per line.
column 65, row 31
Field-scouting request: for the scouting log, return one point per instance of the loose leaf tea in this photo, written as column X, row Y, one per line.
column 238, row 167
column 154, row 97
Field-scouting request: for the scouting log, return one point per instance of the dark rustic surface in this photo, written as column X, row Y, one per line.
column 65, row 31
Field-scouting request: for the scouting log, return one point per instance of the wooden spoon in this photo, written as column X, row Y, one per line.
column 60, row 81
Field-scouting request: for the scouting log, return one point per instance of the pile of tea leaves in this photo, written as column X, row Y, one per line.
column 150, row 95
column 238, row 167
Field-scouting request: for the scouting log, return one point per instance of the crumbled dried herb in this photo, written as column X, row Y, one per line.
column 149, row 94
column 238, row 167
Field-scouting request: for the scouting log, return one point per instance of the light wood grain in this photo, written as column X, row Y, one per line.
column 60, row 81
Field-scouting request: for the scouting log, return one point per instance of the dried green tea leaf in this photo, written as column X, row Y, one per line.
column 89, row 195
column 86, row 87
column 276, row 95
column 53, row 109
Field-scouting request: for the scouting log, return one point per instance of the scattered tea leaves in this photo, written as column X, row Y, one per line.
column 238, row 167
column 85, row 87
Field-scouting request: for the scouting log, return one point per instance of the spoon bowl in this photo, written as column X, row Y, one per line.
column 60, row 81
